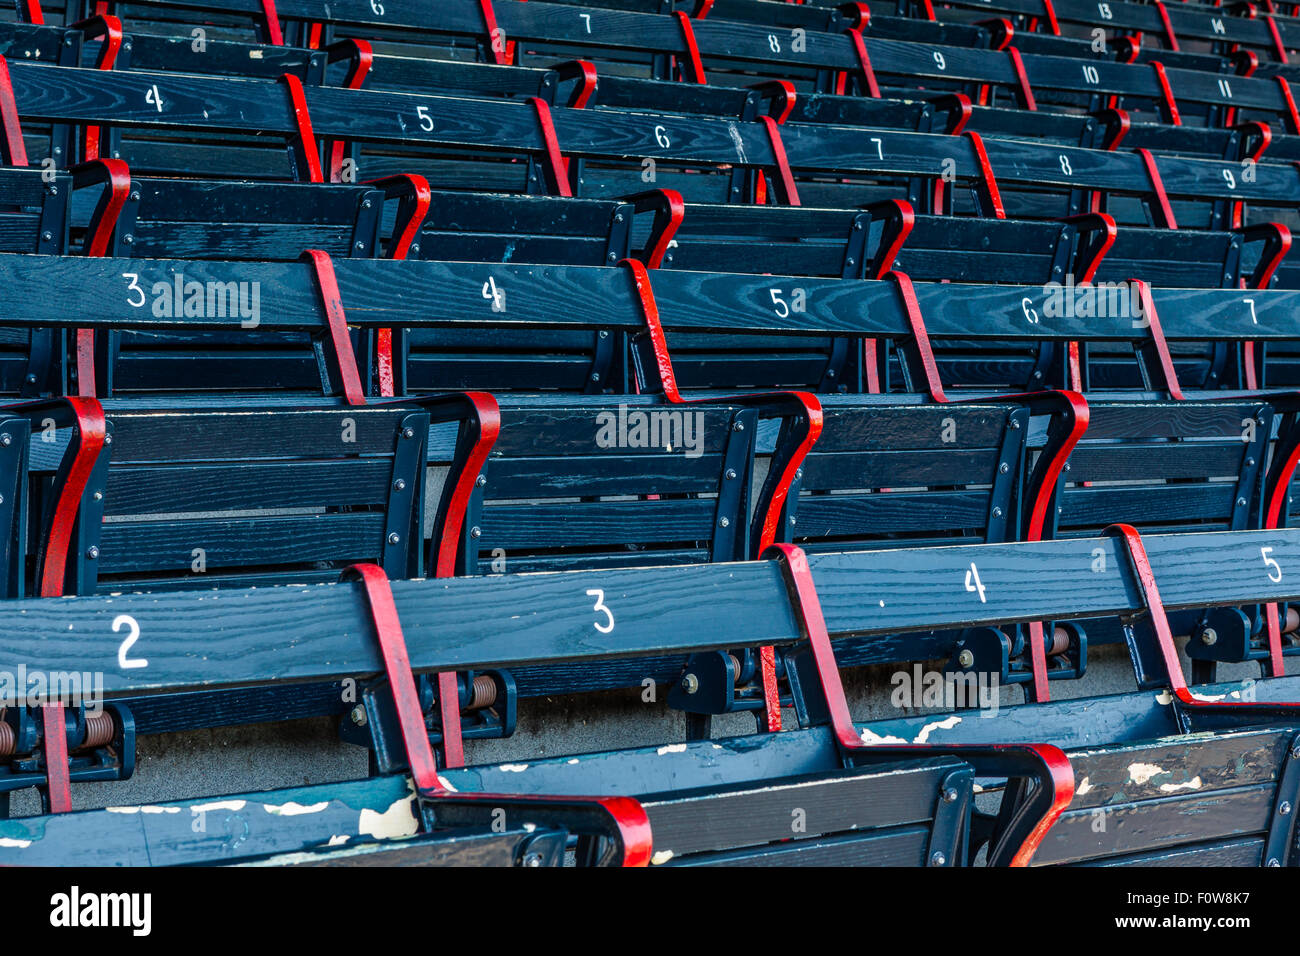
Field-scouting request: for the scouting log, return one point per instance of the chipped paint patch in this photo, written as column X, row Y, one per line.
column 338, row 839
column 1140, row 773
column 1209, row 697
column 671, row 749
column 144, row 809
column 1164, row 698
column 1193, row 784
column 575, row 760
column 233, row 805
column 397, row 821
column 1085, row 785
column 513, row 767
column 446, row 784
column 948, row 723
column 11, row 842
column 869, row 736
column 661, row 857
column 292, row 809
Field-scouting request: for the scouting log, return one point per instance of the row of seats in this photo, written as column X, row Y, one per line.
column 354, row 306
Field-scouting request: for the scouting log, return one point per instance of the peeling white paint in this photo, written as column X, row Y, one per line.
column 948, row 723
column 513, row 767
column 233, row 805
column 397, row 821
column 10, row 841
column 1140, row 773
column 1085, row 785
column 338, row 839
column 1164, row 698
column 869, row 736
column 446, row 784
column 1193, row 784
column 573, row 761
column 661, row 857
column 143, row 809
column 292, row 809
column 671, row 749
column 1209, row 697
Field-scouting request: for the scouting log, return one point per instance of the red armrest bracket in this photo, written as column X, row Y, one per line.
column 692, row 67
column 336, row 320
column 1161, row 210
column 306, row 155
column 1168, row 105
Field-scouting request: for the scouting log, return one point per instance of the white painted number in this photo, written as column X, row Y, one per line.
column 1031, row 314
column 661, row 137
column 1065, row 165
column 1225, row 88
column 135, row 288
column 1230, row 179
column 1104, row 10
column 782, row 310
column 880, row 146
column 153, row 97
column 1253, row 317
column 773, row 43
column 377, row 7
column 586, row 18
column 600, row 606
column 1090, row 75
column 1272, row 565
column 426, row 121
column 973, row 582
column 133, row 634
column 939, row 61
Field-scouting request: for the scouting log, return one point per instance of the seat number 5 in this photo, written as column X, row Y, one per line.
column 1274, row 569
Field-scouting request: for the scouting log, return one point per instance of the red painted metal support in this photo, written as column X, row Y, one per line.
column 336, row 321
column 691, row 66
column 1162, row 211
column 554, row 165
column 306, row 152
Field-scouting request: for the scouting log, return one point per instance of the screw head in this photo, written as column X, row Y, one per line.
column 997, row 512
column 604, row 334
column 618, row 217
column 108, row 439
column 92, row 552
column 128, row 239
column 135, row 195
column 966, row 658
column 47, row 235
column 690, row 683
column 360, row 245
column 408, row 432
column 394, row 538
column 1241, row 502
column 476, row 532
column 730, row 474
column 1015, row 424
column 938, row 859
column 1003, row 468
column 950, row 795
column 1209, row 637
column 532, row 859
column 358, row 715
column 481, row 480
column 1284, row 808
column 98, row 496
column 738, row 427
column 595, row 376
column 6, row 439
column 1273, row 861
column 365, row 204
column 1295, row 753
column 399, row 484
